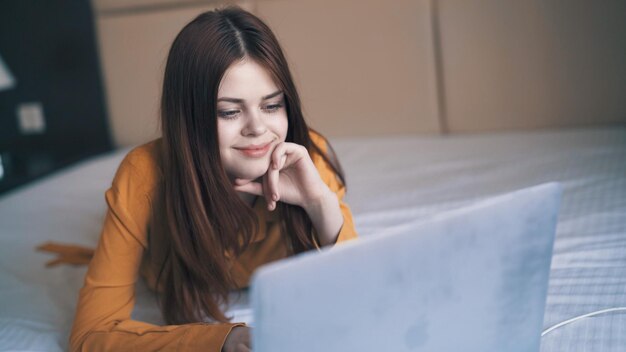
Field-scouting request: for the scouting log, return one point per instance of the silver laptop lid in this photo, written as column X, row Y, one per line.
column 473, row 279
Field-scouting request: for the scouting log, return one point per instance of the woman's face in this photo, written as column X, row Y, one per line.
column 251, row 119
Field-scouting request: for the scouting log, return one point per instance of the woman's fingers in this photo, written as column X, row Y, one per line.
column 241, row 181
column 267, row 193
column 285, row 158
column 272, row 180
column 273, row 174
column 250, row 187
column 277, row 154
column 286, row 154
column 242, row 348
column 238, row 340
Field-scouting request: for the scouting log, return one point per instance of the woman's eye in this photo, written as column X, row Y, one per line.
column 227, row 114
column 273, row 107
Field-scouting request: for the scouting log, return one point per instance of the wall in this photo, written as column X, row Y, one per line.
column 532, row 64
column 352, row 82
column 363, row 67
column 134, row 42
column 374, row 67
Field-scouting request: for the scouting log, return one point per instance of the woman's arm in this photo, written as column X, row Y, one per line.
column 295, row 177
column 347, row 230
column 325, row 214
column 103, row 315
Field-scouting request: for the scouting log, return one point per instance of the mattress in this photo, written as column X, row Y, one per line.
column 391, row 181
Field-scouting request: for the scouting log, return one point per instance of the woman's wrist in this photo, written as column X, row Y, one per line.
column 325, row 214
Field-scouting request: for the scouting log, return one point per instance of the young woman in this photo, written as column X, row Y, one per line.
column 236, row 181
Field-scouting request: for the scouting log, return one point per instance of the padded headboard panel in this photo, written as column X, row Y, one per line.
column 375, row 67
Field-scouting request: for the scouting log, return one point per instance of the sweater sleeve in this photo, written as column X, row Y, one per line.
column 347, row 231
column 103, row 315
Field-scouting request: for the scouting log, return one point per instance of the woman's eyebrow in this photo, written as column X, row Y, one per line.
column 239, row 101
column 269, row 96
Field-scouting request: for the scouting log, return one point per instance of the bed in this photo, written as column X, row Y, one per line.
column 391, row 181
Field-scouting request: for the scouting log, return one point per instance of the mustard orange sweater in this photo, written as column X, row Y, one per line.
column 130, row 246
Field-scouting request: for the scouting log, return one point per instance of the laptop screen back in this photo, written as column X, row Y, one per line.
column 474, row 279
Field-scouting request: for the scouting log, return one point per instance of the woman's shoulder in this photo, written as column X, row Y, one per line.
column 133, row 189
column 324, row 147
column 319, row 140
column 141, row 166
column 146, row 156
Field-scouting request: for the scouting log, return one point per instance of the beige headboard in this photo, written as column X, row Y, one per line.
column 378, row 67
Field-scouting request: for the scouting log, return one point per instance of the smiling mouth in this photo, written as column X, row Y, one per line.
column 255, row 151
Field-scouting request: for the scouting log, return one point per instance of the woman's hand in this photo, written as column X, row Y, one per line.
column 291, row 178
column 238, row 340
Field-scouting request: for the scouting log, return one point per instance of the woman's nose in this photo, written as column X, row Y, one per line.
column 254, row 124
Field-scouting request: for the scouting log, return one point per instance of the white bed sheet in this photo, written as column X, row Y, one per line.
column 391, row 181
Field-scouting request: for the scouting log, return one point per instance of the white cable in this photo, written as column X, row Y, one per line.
column 598, row 312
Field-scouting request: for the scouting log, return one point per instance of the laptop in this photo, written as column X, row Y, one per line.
column 472, row 279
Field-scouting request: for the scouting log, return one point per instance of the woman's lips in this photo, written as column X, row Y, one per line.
column 254, row 151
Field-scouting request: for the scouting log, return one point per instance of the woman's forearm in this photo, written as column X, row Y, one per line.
column 326, row 216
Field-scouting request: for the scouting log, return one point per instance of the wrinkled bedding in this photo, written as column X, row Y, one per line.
column 391, row 181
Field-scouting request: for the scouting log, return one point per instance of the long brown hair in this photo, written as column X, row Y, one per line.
column 205, row 217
